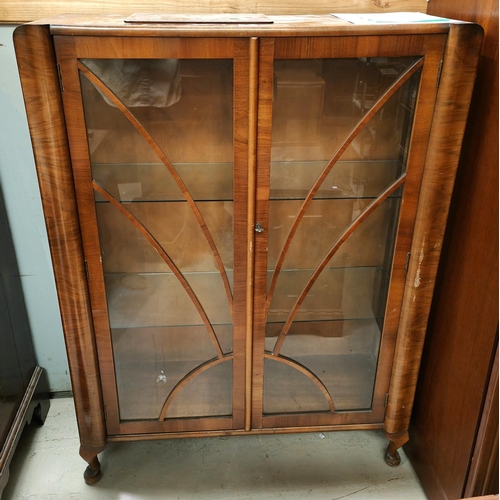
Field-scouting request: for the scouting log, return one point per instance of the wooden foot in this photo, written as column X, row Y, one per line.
column 396, row 440
column 92, row 476
column 392, row 456
column 92, row 473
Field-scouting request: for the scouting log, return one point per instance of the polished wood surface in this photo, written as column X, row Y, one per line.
column 283, row 26
column 252, row 166
column 12, row 11
column 265, row 107
column 137, row 337
column 298, row 48
column 464, row 315
column 483, row 474
column 441, row 162
column 183, row 49
column 40, row 82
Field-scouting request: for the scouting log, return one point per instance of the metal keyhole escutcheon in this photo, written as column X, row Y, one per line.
column 259, row 228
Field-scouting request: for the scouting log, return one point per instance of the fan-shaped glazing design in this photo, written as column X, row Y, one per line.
column 123, row 92
column 343, row 209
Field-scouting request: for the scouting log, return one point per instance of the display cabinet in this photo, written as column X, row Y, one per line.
column 245, row 215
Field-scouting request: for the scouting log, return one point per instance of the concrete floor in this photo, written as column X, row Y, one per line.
column 329, row 466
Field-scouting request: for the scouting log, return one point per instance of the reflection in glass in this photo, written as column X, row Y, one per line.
column 336, row 331
column 183, row 199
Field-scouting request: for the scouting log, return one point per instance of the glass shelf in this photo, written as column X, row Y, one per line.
column 135, row 182
column 347, row 179
column 159, row 299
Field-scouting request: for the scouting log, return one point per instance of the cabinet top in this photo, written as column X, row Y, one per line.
column 230, row 25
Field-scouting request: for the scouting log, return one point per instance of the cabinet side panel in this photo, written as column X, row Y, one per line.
column 465, row 301
column 447, row 130
column 38, row 71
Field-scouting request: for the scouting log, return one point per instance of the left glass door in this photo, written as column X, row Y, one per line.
column 160, row 206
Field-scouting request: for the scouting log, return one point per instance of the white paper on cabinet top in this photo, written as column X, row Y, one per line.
column 391, row 18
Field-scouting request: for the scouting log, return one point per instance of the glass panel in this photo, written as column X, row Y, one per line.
column 341, row 353
column 336, row 330
column 210, row 391
column 149, row 362
column 298, row 394
column 179, row 192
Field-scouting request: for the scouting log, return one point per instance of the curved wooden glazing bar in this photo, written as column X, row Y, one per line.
column 173, row 172
column 42, row 96
column 308, row 373
column 187, row 378
column 355, row 131
column 443, row 153
column 330, row 253
column 161, row 251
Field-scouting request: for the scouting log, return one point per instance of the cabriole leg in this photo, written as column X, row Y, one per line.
column 397, row 440
column 92, row 473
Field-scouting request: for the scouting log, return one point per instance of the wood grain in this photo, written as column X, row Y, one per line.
column 40, row 82
column 252, row 165
column 68, row 49
column 464, row 316
column 294, row 48
column 12, row 11
column 441, row 162
column 433, row 47
column 266, row 71
column 286, row 27
column 321, row 37
column 153, row 435
column 240, row 224
column 483, row 475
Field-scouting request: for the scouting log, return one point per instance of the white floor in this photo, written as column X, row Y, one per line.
column 330, row 466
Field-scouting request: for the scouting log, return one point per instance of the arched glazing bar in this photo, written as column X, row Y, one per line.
column 156, row 245
column 173, row 172
column 330, row 253
column 396, row 85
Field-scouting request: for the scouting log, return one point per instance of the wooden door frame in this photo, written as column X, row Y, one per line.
column 69, row 50
column 431, row 48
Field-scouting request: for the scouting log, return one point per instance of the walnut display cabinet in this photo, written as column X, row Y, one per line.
column 245, row 215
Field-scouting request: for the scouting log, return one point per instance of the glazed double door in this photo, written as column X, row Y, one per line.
column 246, row 210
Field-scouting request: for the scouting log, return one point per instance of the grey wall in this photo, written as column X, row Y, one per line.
column 22, row 198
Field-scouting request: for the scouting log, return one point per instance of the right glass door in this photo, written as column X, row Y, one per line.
column 341, row 135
